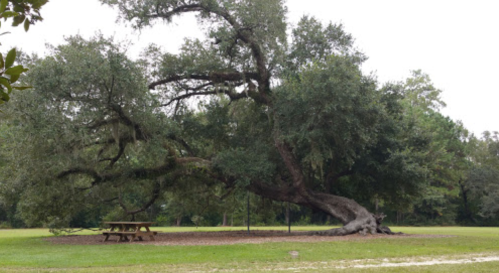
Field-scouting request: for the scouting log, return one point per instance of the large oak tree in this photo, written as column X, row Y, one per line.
column 294, row 121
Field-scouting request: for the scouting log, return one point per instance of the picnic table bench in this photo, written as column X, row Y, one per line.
column 132, row 229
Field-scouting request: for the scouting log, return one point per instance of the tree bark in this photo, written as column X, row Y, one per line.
column 355, row 218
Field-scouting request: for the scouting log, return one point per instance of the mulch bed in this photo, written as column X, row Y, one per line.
column 225, row 238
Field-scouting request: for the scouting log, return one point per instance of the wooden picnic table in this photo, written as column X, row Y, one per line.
column 132, row 229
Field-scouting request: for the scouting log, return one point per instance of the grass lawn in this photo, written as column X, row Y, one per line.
column 25, row 251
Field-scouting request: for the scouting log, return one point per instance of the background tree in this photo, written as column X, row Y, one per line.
column 441, row 147
column 479, row 187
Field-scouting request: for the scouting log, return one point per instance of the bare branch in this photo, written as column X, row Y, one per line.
column 184, row 144
column 233, row 96
column 113, row 160
column 155, row 194
column 214, row 77
column 173, row 12
column 87, row 171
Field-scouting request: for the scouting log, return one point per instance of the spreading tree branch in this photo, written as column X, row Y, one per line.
column 213, row 77
column 154, row 196
column 243, row 33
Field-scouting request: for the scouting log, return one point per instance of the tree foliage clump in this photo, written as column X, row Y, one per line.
column 27, row 13
column 81, row 126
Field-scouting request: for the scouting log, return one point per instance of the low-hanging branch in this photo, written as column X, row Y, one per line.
column 113, row 160
column 173, row 12
column 233, row 96
column 154, row 196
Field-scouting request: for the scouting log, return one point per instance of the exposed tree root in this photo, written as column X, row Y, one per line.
column 363, row 226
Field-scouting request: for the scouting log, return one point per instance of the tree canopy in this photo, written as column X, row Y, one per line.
column 290, row 119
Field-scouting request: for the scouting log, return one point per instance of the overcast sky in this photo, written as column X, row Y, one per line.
column 455, row 42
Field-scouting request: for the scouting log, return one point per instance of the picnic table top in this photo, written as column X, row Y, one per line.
column 129, row 223
column 133, row 229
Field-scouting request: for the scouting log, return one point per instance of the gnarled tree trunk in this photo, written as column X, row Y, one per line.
column 355, row 218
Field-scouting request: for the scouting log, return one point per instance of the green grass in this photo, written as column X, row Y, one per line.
column 24, row 250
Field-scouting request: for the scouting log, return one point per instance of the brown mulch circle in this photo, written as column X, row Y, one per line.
column 224, row 238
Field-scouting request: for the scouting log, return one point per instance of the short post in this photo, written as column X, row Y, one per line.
column 289, row 218
column 248, row 208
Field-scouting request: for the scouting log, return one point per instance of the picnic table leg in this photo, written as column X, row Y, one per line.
column 134, row 229
column 150, row 236
column 107, row 237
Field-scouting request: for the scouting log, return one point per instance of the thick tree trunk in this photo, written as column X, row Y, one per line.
column 355, row 218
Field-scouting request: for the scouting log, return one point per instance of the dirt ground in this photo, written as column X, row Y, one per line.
column 223, row 238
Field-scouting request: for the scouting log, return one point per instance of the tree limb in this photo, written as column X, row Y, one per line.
column 113, row 160
column 155, row 194
column 233, row 96
column 213, row 77
column 127, row 121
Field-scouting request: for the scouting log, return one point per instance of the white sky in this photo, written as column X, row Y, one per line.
column 455, row 42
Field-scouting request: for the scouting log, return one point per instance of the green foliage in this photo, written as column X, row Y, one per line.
column 331, row 111
column 246, row 164
column 420, row 92
column 26, row 12
column 9, row 75
column 480, row 184
column 61, row 125
column 265, row 19
column 312, row 42
column 434, row 147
